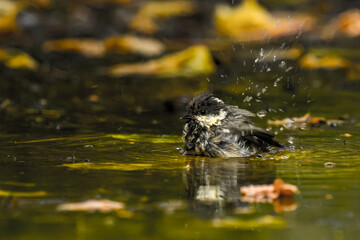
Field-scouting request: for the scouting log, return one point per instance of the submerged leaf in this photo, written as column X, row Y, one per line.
column 196, row 60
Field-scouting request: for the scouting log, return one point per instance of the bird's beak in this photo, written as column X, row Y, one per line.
column 187, row 116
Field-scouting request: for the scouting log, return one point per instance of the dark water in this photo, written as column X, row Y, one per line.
column 130, row 156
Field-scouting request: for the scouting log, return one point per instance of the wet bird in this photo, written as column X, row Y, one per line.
column 215, row 129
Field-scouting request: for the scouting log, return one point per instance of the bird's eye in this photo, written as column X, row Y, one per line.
column 202, row 112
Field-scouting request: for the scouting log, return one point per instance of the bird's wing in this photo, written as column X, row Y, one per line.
column 246, row 133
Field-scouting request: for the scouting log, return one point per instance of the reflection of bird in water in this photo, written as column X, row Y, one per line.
column 212, row 185
column 215, row 129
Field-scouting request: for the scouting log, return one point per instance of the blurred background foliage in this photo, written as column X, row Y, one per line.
column 63, row 61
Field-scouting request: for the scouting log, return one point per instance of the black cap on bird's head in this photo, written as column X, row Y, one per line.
column 204, row 104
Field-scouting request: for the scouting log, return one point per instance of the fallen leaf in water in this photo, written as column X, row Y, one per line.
column 86, row 47
column 137, row 45
column 267, row 193
column 260, row 222
column 284, row 205
column 8, row 13
column 304, row 121
column 249, row 21
column 311, row 61
column 17, row 59
column 4, row 193
column 196, row 60
column 108, row 166
column 329, row 164
column 103, row 206
column 148, row 138
column 346, row 24
column 150, row 13
column 98, row 48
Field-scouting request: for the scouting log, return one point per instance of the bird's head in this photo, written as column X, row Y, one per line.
column 206, row 109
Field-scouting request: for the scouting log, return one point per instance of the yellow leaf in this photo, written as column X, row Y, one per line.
column 145, row 19
column 196, row 60
column 15, row 58
column 108, row 166
column 8, row 13
column 4, row 193
column 249, row 22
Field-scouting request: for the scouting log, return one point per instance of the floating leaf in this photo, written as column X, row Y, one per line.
column 4, row 193
column 22, row 184
column 108, row 166
column 148, row 138
column 311, row 61
column 304, row 121
column 15, row 58
column 131, row 44
column 239, row 223
column 8, row 13
column 86, row 47
column 267, row 193
column 145, row 19
column 196, row 60
column 346, row 24
column 249, row 21
column 98, row 48
column 103, row 206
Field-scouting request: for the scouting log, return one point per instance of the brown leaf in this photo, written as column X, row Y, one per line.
column 267, row 193
column 346, row 24
column 304, row 121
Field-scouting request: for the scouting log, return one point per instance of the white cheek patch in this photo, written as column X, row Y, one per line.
column 211, row 120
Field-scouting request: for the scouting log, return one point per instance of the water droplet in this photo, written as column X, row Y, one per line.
column 261, row 52
column 282, row 64
column 268, row 69
column 274, row 58
column 256, row 60
column 261, row 113
column 277, row 81
column 247, row 99
column 288, row 69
